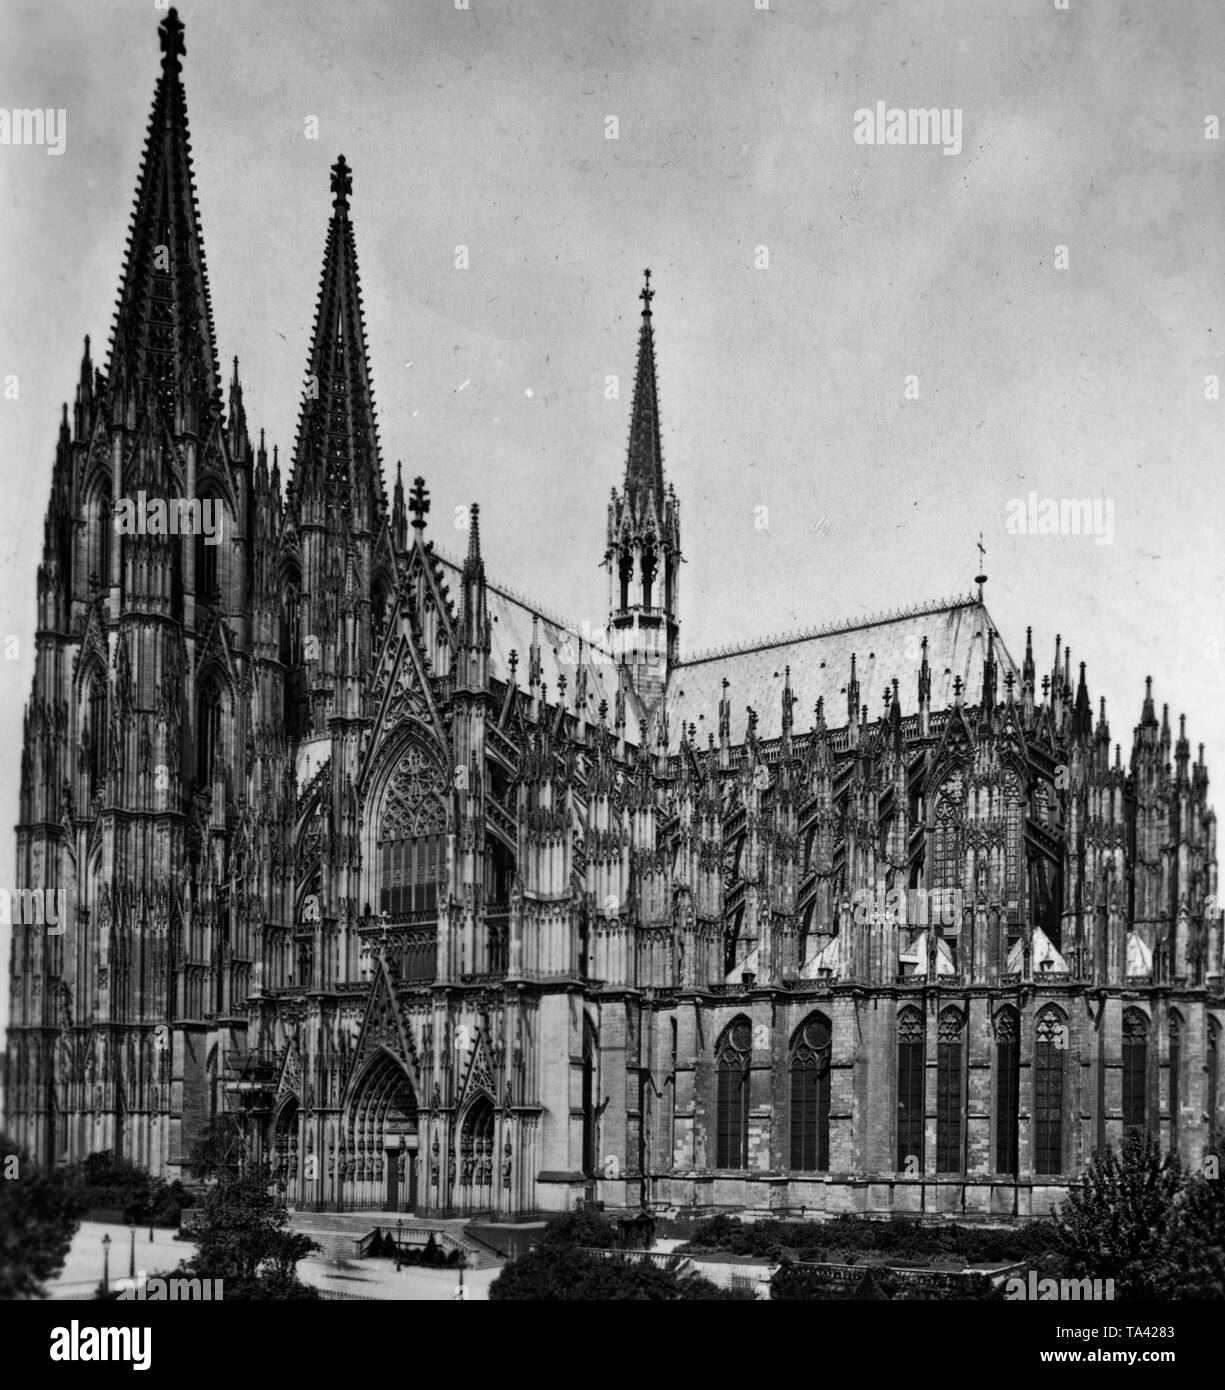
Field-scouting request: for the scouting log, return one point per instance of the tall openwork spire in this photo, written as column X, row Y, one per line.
column 163, row 334
column 337, row 446
column 643, row 553
column 644, row 466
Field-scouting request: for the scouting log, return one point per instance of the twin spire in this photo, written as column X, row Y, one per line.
column 163, row 340
column 337, row 447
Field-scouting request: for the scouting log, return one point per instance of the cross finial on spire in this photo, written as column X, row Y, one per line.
column 418, row 503
column 170, row 32
column 647, row 292
column 980, row 578
column 342, row 183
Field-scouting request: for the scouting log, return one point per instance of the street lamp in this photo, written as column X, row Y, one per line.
column 132, row 1253
column 461, row 1293
column 399, row 1238
column 106, row 1265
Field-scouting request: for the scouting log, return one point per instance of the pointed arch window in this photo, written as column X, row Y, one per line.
column 649, row 564
column 208, row 733
column 1050, row 1047
column 410, row 840
column 1014, row 849
column 810, row 1095
column 591, row 1048
column 97, row 733
column 1007, row 1089
column 1175, row 1026
column 291, row 641
column 732, row 1096
column 910, row 1106
column 946, row 858
column 208, row 583
column 950, row 1061
column 379, row 606
column 106, row 532
column 1135, row 1069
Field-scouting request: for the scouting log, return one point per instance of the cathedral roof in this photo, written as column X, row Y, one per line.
column 885, row 648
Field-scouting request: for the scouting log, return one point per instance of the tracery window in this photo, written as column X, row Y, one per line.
column 949, row 1053
column 591, row 1048
column 208, row 733
column 1135, row 1069
column 810, row 1096
column 910, row 1109
column 1050, row 1046
column 1013, row 849
column 1007, row 1089
column 946, row 845
column 106, row 529
column 732, row 1096
column 410, row 842
column 97, row 733
column 208, row 583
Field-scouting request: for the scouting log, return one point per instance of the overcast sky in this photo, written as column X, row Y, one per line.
column 781, row 387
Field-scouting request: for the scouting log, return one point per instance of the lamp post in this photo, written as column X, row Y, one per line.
column 132, row 1252
column 106, row 1265
column 461, row 1293
column 399, row 1238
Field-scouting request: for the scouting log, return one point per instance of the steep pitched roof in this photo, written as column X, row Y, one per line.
column 820, row 662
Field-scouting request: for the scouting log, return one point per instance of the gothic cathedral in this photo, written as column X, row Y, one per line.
column 460, row 911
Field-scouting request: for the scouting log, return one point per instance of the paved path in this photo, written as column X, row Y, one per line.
column 82, row 1272
column 378, row 1279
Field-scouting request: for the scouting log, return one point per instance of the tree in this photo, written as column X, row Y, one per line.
column 1195, row 1263
column 113, row 1184
column 563, row 1267
column 562, row 1273
column 39, row 1215
column 1118, row 1224
column 584, row 1227
column 218, row 1150
column 243, row 1238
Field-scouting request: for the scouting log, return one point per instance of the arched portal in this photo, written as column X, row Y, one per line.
column 379, row 1164
column 476, row 1156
